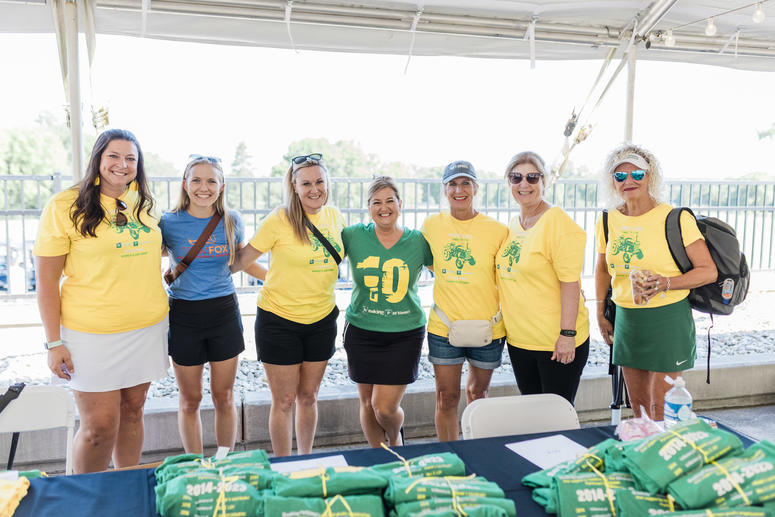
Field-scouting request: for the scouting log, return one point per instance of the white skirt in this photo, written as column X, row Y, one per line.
column 107, row 362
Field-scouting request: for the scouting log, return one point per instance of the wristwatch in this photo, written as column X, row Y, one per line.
column 48, row 345
column 568, row 333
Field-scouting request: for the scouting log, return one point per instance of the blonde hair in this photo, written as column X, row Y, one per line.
column 530, row 157
column 293, row 210
column 220, row 203
column 609, row 195
column 380, row 182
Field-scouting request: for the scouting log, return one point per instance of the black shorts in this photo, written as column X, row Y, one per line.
column 388, row 358
column 204, row 331
column 282, row 341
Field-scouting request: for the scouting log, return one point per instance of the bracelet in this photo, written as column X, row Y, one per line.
column 600, row 301
column 667, row 286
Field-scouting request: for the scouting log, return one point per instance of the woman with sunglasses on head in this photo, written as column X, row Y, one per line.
column 296, row 320
column 464, row 244
column 385, row 325
column 655, row 336
column 106, row 326
column 539, row 282
column 205, row 321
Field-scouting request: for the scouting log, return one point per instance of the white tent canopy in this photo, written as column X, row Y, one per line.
column 507, row 29
column 564, row 29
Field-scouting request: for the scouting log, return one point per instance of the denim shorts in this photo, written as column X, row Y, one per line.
column 486, row 357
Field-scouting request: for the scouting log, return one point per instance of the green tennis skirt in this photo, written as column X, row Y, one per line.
column 658, row 339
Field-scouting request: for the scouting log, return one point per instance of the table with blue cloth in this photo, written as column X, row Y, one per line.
column 130, row 492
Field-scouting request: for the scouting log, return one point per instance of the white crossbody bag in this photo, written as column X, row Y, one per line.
column 468, row 333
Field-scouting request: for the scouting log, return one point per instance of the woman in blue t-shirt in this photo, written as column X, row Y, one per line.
column 205, row 321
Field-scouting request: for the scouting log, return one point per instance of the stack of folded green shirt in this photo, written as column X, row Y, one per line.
column 744, row 480
column 470, row 505
column 589, row 494
column 330, row 482
column 443, row 464
column 205, row 492
column 336, row 506
column 606, row 456
column 447, row 496
column 192, row 486
column 634, row 503
column 683, row 449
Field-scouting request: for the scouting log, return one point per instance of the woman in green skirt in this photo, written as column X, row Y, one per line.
column 653, row 333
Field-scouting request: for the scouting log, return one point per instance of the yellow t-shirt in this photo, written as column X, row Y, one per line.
column 464, row 267
column 639, row 242
column 529, row 268
column 112, row 282
column 301, row 279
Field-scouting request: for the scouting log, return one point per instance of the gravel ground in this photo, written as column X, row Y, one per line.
column 750, row 330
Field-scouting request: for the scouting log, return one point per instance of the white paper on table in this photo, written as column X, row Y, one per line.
column 324, row 462
column 549, row 451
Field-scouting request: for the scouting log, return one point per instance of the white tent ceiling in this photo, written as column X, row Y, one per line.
column 564, row 29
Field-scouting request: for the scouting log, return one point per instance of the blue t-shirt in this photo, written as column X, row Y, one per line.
column 208, row 276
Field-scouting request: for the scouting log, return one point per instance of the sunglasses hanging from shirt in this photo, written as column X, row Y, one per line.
column 171, row 274
column 324, row 242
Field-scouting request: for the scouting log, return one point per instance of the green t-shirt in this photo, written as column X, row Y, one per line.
column 385, row 295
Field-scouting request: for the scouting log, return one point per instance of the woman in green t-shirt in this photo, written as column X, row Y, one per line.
column 385, row 325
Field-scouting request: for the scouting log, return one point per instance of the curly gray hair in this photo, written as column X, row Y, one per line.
column 609, row 195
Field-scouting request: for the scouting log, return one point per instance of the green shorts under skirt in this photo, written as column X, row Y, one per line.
column 658, row 339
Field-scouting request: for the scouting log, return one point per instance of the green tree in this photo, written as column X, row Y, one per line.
column 343, row 158
column 767, row 133
column 242, row 164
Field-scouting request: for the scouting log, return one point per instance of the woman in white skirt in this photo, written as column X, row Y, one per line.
column 106, row 326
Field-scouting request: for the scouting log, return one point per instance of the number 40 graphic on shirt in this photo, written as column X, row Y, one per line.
column 395, row 279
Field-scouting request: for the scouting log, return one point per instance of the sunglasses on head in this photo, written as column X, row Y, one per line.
column 637, row 175
column 305, row 159
column 515, row 178
column 202, row 158
column 121, row 219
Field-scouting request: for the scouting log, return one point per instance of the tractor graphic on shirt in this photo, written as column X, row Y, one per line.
column 512, row 252
column 316, row 244
column 134, row 229
column 628, row 246
column 459, row 253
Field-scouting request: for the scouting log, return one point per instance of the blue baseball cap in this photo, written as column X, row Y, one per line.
column 458, row 169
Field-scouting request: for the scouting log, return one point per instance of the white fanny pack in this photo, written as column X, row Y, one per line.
column 468, row 333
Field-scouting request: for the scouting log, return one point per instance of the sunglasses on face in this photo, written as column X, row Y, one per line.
column 637, row 175
column 121, row 219
column 202, row 158
column 515, row 178
column 305, row 159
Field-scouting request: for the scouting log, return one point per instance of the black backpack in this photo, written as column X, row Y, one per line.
column 731, row 286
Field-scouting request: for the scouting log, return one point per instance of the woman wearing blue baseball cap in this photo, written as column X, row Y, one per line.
column 465, row 323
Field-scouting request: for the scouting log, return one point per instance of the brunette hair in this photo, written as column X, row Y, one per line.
column 87, row 212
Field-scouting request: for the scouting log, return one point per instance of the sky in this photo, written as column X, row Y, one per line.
column 182, row 98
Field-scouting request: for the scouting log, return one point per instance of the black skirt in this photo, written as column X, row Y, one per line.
column 390, row 358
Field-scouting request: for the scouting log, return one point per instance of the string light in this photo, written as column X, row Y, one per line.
column 710, row 29
column 758, row 14
column 669, row 38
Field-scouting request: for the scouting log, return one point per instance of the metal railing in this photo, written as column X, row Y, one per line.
column 749, row 207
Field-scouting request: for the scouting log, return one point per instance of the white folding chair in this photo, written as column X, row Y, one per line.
column 42, row 407
column 518, row 414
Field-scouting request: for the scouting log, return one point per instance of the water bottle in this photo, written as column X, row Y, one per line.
column 678, row 402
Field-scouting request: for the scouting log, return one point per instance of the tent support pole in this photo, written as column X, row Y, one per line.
column 74, row 85
column 630, row 93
